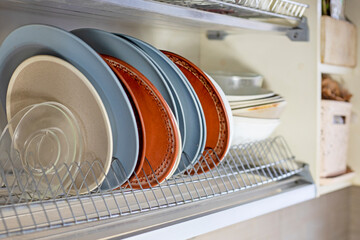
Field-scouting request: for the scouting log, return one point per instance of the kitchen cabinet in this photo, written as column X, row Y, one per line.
column 290, row 68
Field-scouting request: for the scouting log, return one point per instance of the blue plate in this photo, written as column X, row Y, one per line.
column 194, row 115
column 31, row 40
column 109, row 44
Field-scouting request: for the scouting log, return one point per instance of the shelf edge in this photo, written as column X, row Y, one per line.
column 332, row 69
column 325, row 189
column 198, row 226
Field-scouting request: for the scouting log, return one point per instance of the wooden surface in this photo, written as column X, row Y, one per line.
column 325, row 218
column 338, row 42
column 354, row 214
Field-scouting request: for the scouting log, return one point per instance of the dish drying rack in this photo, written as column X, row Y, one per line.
column 295, row 26
column 247, row 169
column 247, row 8
column 219, row 17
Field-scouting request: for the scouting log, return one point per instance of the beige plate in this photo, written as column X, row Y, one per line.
column 179, row 152
column 46, row 78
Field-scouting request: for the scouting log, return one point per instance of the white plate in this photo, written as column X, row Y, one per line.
column 272, row 110
column 231, row 98
column 241, row 104
column 228, row 110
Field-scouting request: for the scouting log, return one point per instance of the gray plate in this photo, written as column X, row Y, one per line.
column 109, row 44
column 31, row 40
column 194, row 116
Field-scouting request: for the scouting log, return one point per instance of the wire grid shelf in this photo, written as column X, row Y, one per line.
column 247, row 8
column 26, row 208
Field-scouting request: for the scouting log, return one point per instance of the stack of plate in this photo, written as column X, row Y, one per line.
column 256, row 111
column 136, row 115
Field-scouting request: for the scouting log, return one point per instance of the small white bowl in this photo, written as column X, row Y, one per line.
column 252, row 129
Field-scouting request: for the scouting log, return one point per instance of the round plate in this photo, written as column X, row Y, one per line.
column 249, row 93
column 228, row 110
column 31, row 40
column 271, row 110
column 163, row 142
column 112, row 45
column 46, row 78
column 178, row 159
column 260, row 101
column 217, row 122
column 139, row 118
column 194, row 115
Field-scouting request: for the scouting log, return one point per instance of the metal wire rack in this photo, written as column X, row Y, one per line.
column 247, row 8
column 31, row 203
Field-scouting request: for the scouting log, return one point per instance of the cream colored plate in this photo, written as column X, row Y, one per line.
column 228, row 110
column 179, row 152
column 46, row 78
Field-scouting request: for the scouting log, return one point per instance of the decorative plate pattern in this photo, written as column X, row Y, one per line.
column 217, row 122
column 162, row 137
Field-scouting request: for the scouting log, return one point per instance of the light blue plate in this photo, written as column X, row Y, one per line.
column 194, row 115
column 31, row 40
column 109, row 44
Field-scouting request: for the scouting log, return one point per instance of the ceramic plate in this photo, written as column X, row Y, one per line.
column 246, row 91
column 239, row 104
column 217, row 122
column 178, row 159
column 112, row 45
column 31, row 40
column 272, row 110
column 46, row 78
column 227, row 107
column 250, row 93
column 194, row 116
column 139, row 118
column 163, row 142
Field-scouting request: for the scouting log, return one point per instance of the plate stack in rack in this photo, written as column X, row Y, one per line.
column 89, row 110
column 256, row 111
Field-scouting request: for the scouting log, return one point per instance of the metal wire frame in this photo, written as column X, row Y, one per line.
column 31, row 203
column 247, row 8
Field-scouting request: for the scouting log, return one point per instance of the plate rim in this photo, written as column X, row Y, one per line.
column 173, row 122
column 166, row 62
column 219, row 158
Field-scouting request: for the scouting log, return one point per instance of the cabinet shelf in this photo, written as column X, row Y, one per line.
column 332, row 69
column 328, row 185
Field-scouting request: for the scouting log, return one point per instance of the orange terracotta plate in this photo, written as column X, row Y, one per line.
column 138, row 116
column 217, row 121
column 163, row 143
